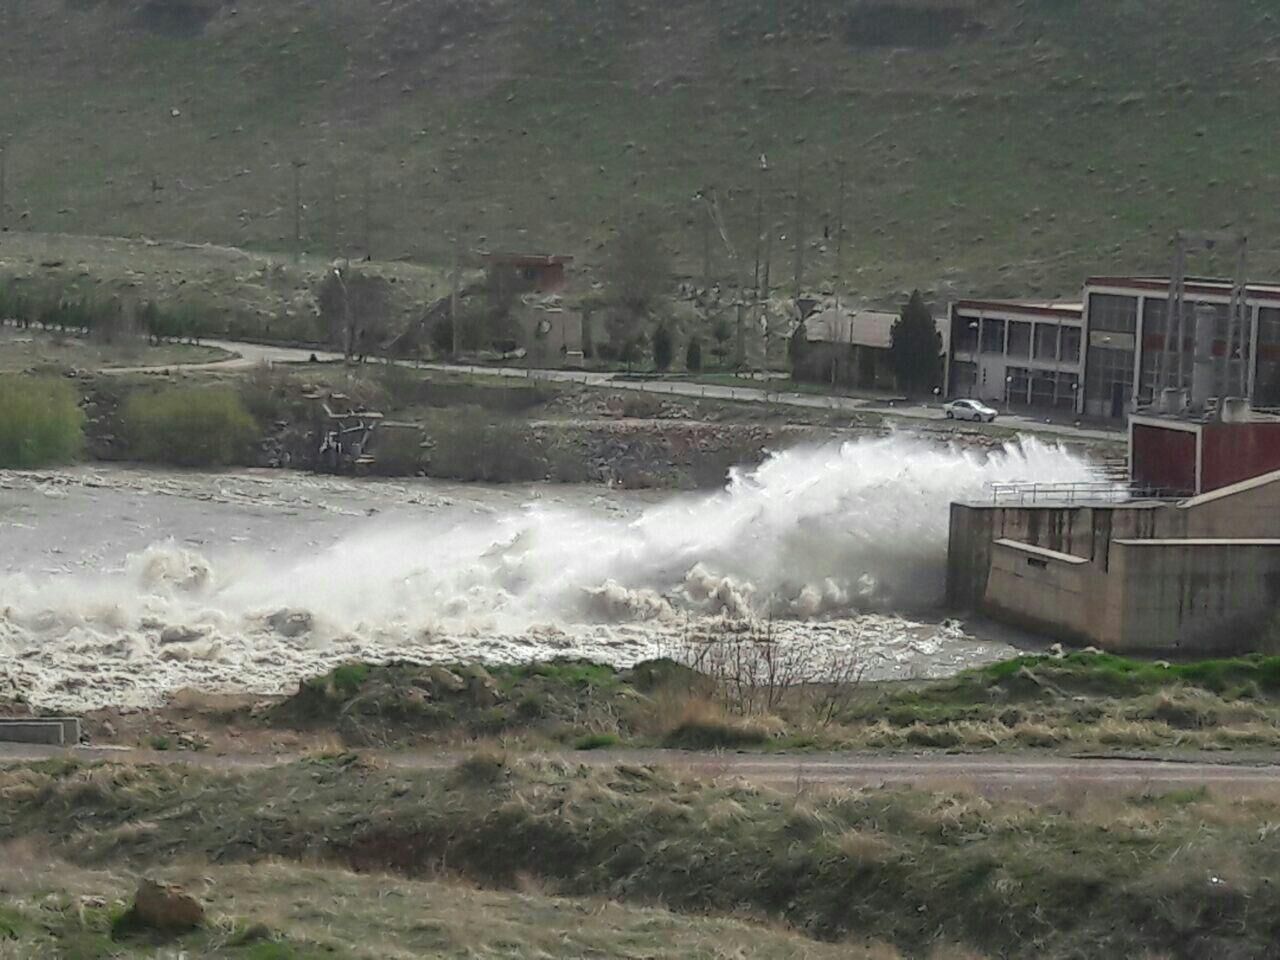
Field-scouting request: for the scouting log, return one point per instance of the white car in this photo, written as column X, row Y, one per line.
column 968, row 410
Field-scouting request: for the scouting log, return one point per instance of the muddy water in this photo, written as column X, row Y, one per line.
column 119, row 585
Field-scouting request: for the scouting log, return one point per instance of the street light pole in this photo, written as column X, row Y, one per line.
column 297, row 207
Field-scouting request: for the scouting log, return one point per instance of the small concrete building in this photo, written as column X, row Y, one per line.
column 1199, row 575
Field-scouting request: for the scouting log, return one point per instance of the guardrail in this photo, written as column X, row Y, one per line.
column 1029, row 493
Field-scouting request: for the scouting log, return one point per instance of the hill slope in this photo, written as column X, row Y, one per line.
column 990, row 145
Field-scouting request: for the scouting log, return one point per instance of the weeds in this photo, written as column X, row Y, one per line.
column 189, row 427
column 40, row 422
column 915, row 869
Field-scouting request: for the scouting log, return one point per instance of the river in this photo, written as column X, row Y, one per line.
column 119, row 585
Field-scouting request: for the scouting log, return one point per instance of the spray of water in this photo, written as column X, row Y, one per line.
column 813, row 533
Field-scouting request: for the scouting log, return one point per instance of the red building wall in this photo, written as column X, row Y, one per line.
column 1238, row 451
column 1163, row 459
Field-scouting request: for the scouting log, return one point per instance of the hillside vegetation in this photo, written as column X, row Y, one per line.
column 989, row 145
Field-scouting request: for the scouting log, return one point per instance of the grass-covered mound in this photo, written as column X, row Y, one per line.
column 571, row 702
column 1083, row 700
column 1183, row 875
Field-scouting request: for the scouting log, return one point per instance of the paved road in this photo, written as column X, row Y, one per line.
column 251, row 354
column 1022, row 774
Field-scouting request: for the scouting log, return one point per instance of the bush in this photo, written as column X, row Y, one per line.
column 265, row 393
column 40, row 422
column 693, row 356
column 200, row 427
column 662, row 348
column 472, row 446
column 397, row 452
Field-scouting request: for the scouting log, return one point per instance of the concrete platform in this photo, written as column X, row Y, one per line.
column 49, row 731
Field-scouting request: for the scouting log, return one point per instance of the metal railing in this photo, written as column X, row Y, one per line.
column 1094, row 491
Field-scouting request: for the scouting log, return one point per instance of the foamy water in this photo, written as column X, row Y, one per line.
column 846, row 544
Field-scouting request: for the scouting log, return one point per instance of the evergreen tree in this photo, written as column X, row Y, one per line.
column 662, row 348
column 916, row 348
column 693, row 356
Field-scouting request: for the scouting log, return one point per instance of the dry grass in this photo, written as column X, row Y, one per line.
column 23, row 350
column 1084, row 872
column 334, row 913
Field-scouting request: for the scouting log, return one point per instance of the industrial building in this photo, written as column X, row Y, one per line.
column 1016, row 353
column 1186, row 556
column 1107, row 356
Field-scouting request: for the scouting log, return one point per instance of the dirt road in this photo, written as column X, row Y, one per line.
column 1029, row 775
column 248, row 355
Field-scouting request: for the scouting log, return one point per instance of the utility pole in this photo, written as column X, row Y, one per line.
column 840, row 231
column 297, row 207
column 368, row 215
column 455, row 321
column 4, row 187
column 706, row 244
column 799, row 234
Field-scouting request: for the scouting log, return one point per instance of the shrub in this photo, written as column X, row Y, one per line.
column 200, row 427
column 596, row 741
column 265, row 393
column 704, row 725
column 40, row 422
column 662, row 348
column 397, row 451
column 693, row 356
column 472, row 446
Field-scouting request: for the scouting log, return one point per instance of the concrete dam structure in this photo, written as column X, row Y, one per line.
column 1198, row 575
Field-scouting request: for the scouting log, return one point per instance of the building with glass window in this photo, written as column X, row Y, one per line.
column 1017, row 354
column 1125, row 320
column 1101, row 357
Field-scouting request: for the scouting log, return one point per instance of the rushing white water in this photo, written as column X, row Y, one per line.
column 836, row 538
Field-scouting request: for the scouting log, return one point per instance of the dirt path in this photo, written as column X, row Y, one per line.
column 1021, row 774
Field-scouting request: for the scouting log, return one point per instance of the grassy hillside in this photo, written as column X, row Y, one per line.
column 990, row 145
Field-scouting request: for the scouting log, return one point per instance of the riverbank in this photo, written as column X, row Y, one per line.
column 910, row 873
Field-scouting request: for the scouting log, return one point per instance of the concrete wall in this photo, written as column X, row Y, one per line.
column 1197, row 576
column 1207, row 597
column 1082, row 531
column 1243, row 512
column 1041, row 590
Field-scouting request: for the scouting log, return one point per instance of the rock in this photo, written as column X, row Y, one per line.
column 180, row 635
column 290, row 623
column 162, row 906
column 446, row 680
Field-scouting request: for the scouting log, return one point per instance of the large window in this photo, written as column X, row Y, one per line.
column 1019, row 339
column 1266, row 390
column 1153, row 314
column 964, row 378
column 993, row 336
column 1113, row 313
column 1042, row 388
column 1068, row 386
column 1071, row 344
column 1047, row 341
column 1108, row 381
column 964, row 334
column 1017, row 382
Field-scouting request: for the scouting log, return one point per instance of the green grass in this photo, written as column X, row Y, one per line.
column 532, row 125
column 1113, row 876
column 597, row 741
column 40, row 422
column 189, row 427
